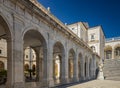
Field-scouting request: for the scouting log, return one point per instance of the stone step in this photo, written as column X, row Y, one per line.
column 115, row 78
column 111, row 69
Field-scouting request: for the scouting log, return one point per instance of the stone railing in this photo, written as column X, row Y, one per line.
column 40, row 6
column 113, row 39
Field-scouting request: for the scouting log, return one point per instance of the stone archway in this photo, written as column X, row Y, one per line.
column 71, row 59
column 58, row 57
column 5, row 34
column 37, row 55
column 108, row 52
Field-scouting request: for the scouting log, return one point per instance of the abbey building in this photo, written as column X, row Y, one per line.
column 38, row 50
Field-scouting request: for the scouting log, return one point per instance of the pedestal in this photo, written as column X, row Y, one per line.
column 100, row 76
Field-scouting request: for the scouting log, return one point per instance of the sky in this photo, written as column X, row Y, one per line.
column 96, row 12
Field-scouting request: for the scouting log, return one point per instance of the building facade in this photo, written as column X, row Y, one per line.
column 112, row 48
column 38, row 50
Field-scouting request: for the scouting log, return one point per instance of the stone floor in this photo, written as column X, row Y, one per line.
column 92, row 84
column 97, row 84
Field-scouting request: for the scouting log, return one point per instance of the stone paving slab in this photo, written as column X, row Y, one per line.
column 98, row 84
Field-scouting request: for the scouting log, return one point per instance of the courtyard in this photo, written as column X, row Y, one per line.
column 96, row 84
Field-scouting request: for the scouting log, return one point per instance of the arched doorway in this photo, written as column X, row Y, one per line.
column 35, row 52
column 58, row 57
column 5, row 35
column 71, row 64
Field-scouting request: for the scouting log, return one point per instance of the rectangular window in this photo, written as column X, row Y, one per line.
column 92, row 36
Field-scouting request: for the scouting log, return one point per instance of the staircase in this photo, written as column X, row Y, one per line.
column 111, row 69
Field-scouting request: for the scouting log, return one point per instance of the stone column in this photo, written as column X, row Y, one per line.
column 16, row 63
column 75, row 74
column 94, row 67
column 87, row 69
column 113, row 53
column 82, row 70
column 64, row 78
column 48, row 63
column 10, row 76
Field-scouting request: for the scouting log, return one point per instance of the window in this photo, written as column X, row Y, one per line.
column 0, row 51
column 26, row 56
column 92, row 36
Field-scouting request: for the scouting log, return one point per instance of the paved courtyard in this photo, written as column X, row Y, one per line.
column 93, row 84
column 98, row 84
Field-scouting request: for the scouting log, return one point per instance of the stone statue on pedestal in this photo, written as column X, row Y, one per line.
column 100, row 74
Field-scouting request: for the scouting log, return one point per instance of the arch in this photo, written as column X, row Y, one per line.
column 58, row 57
column 71, row 60
column 108, row 52
column 7, row 27
column 6, row 33
column 108, row 47
column 39, row 46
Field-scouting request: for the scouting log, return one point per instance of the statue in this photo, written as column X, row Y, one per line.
column 100, row 74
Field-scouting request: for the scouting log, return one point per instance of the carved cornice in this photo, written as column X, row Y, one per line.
column 50, row 19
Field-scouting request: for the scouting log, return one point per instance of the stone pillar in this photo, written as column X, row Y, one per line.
column 75, row 74
column 18, row 64
column 113, row 53
column 15, row 63
column 15, row 75
column 64, row 78
column 94, row 67
column 10, row 76
column 82, row 70
column 87, row 69
column 48, row 63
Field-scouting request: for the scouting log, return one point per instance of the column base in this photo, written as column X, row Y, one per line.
column 18, row 85
column 100, row 76
column 75, row 79
column 15, row 85
column 64, row 80
column 48, row 83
